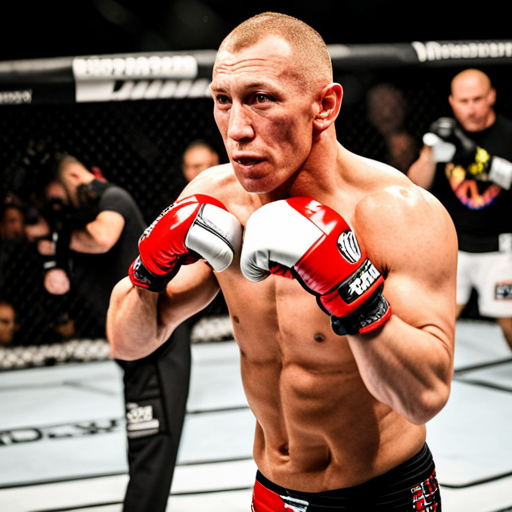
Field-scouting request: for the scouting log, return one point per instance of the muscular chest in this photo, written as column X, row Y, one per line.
column 276, row 322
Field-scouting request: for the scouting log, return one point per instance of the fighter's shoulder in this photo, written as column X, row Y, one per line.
column 399, row 198
column 387, row 189
column 402, row 211
column 219, row 182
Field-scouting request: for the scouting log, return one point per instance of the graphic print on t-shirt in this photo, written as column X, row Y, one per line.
column 473, row 194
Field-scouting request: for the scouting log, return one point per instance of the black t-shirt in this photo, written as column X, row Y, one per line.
column 95, row 275
column 480, row 210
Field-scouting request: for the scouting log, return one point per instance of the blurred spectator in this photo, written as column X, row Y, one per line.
column 198, row 156
column 387, row 108
column 8, row 323
column 65, row 327
column 466, row 162
column 20, row 275
column 12, row 222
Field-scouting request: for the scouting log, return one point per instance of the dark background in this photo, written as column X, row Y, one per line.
column 138, row 144
column 89, row 27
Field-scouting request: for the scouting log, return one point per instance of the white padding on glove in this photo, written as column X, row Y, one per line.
column 216, row 235
column 501, row 172
column 441, row 151
column 275, row 233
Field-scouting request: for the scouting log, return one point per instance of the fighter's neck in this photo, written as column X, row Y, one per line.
column 317, row 177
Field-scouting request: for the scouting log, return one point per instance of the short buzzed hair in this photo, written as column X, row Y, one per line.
column 60, row 163
column 310, row 50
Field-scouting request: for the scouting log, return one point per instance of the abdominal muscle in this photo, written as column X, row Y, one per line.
column 318, row 428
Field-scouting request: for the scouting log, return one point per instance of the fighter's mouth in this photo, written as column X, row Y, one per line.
column 247, row 162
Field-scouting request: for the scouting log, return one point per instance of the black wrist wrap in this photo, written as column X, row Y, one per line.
column 61, row 258
column 370, row 312
column 141, row 276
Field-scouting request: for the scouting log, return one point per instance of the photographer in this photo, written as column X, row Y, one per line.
column 97, row 226
column 106, row 225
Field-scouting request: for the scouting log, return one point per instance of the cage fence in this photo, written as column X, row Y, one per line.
column 138, row 144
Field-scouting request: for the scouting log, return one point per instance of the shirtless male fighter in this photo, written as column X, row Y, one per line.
column 342, row 292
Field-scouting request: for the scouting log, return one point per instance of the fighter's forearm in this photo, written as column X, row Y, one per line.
column 133, row 327
column 139, row 320
column 407, row 368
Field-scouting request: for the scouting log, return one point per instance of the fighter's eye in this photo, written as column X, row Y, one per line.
column 261, row 98
column 222, row 99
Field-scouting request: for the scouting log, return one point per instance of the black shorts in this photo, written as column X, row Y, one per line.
column 410, row 487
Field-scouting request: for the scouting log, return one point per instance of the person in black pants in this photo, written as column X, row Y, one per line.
column 90, row 258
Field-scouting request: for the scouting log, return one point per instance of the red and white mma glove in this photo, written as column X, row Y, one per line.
column 192, row 228
column 302, row 238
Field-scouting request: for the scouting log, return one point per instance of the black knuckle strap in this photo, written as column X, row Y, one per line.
column 370, row 312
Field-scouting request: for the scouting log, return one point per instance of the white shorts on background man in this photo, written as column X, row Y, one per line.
column 490, row 273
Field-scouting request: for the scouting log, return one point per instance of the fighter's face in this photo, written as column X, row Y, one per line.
column 263, row 114
column 472, row 104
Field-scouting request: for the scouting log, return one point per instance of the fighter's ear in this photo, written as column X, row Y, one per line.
column 329, row 106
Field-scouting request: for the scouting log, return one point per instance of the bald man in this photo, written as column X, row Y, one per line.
column 465, row 162
column 341, row 294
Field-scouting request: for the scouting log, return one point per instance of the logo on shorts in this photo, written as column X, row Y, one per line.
column 425, row 496
column 503, row 291
column 348, row 246
column 294, row 504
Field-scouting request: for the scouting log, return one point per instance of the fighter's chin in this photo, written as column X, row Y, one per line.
column 253, row 183
column 255, row 186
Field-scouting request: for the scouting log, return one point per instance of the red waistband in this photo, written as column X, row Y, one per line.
column 265, row 500
column 423, row 497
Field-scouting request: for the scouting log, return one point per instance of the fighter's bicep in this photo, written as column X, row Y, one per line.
column 413, row 242
column 422, row 301
column 421, row 280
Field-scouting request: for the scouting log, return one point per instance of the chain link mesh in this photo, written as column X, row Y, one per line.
column 138, row 145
